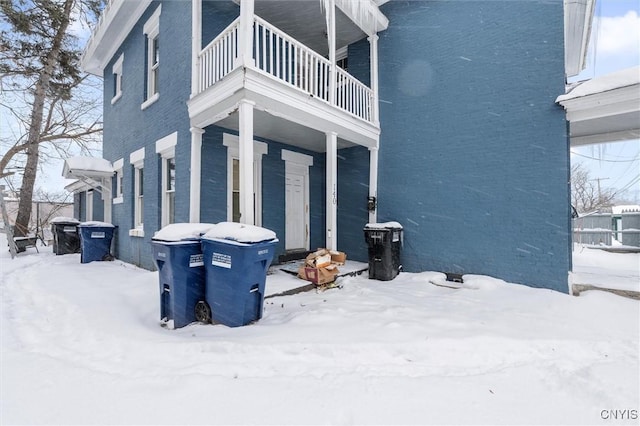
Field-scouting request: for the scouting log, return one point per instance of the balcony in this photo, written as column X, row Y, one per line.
column 292, row 85
column 280, row 56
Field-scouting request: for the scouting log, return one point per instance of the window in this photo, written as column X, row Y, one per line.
column 137, row 161
column 152, row 36
column 166, row 148
column 233, row 177
column 118, row 181
column 341, row 58
column 117, row 79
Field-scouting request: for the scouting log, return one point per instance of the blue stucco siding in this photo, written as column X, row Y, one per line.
column 474, row 152
column 129, row 128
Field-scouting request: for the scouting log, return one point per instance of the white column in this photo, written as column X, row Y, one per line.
column 106, row 199
column 196, row 45
column 194, row 182
column 245, row 33
column 331, row 37
column 247, row 208
column 373, row 63
column 332, row 191
column 373, row 181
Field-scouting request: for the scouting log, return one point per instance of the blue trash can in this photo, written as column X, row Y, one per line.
column 237, row 258
column 177, row 253
column 95, row 241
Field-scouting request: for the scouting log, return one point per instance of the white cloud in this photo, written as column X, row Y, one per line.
column 618, row 35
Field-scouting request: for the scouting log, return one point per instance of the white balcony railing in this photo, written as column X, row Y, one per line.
column 283, row 57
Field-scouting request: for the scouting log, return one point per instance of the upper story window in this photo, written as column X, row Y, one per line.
column 341, row 58
column 152, row 36
column 166, row 147
column 117, row 79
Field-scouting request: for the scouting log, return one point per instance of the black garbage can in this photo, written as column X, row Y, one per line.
column 66, row 239
column 177, row 253
column 95, row 241
column 237, row 258
column 384, row 241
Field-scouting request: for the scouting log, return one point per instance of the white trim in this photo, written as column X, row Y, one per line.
column 232, row 142
column 117, row 72
column 332, row 191
column 149, row 101
column 89, row 205
column 195, row 174
column 136, row 158
column 118, row 168
column 136, row 232
column 152, row 31
column 297, row 163
column 298, row 158
column 152, row 26
column 166, row 146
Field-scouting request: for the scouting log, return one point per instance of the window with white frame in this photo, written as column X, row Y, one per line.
column 118, row 181
column 117, row 79
column 342, row 59
column 166, row 148
column 137, row 162
column 233, row 177
column 152, row 36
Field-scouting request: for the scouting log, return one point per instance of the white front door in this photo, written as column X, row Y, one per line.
column 296, row 207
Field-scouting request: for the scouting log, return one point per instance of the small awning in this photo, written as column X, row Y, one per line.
column 90, row 172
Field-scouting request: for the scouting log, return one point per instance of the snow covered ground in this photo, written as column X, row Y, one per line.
column 81, row 344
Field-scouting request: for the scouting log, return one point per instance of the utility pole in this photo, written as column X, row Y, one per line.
column 599, row 192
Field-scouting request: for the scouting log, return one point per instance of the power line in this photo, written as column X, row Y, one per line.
column 608, row 161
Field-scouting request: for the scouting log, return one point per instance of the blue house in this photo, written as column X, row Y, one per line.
column 313, row 118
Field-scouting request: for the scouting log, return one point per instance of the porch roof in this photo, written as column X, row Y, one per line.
column 604, row 109
column 87, row 167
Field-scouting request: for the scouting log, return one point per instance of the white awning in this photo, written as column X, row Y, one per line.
column 90, row 172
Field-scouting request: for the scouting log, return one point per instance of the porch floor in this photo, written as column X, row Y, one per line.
column 283, row 279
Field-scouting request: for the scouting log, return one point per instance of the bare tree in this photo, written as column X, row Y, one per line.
column 39, row 56
column 587, row 194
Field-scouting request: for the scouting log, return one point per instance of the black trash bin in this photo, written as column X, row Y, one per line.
column 95, row 241
column 66, row 239
column 237, row 258
column 177, row 254
column 384, row 241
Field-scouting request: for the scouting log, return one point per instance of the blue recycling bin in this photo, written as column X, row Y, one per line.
column 95, row 241
column 236, row 271
column 177, row 254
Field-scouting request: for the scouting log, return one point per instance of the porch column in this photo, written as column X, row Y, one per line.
column 106, row 199
column 332, row 191
column 246, row 162
column 373, row 63
column 194, row 180
column 245, row 33
column 331, row 38
column 196, row 45
column 373, row 181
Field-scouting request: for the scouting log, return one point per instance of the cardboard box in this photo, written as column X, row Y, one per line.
column 318, row 276
column 338, row 257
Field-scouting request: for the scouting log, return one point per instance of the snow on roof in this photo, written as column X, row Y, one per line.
column 625, row 209
column 60, row 219
column 95, row 223
column 615, row 80
column 383, row 225
column 86, row 166
column 182, row 231
column 239, row 232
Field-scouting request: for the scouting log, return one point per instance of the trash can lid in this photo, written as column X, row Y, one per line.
column 239, row 233
column 97, row 224
column 63, row 219
column 182, row 232
column 383, row 225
